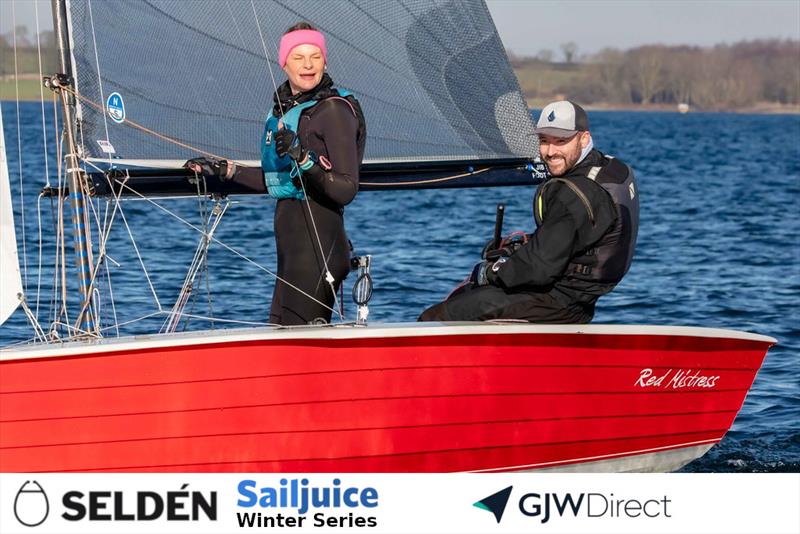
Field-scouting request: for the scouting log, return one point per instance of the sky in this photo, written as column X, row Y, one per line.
column 528, row 26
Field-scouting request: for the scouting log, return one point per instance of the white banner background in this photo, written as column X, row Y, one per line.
column 431, row 503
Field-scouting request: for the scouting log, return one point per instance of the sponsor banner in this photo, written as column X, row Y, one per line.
column 399, row 503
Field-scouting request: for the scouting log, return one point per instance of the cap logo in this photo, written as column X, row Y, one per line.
column 552, row 116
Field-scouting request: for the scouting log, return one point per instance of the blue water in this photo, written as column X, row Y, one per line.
column 719, row 246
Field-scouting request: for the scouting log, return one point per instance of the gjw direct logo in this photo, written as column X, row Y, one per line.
column 549, row 505
column 32, row 505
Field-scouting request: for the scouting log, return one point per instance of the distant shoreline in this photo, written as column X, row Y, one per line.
column 767, row 109
column 762, row 108
column 29, row 91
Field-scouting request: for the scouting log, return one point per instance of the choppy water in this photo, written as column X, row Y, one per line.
column 719, row 246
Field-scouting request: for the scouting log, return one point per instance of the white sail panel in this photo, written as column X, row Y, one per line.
column 10, row 280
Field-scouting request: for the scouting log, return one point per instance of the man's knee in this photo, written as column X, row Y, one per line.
column 437, row 312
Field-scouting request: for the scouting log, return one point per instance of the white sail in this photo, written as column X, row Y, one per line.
column 10, row 280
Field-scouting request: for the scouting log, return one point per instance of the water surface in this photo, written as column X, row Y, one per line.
column 719, row 246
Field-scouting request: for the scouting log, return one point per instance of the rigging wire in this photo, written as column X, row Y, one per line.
column 224, row 245
column 46, row 160
column 110, row 286
column 247, row 88
column 104, row 232
column 63, row 265
column 19, row 150
column 99, row 77
column 266, row 55
column 132, row 239
column 41, row 242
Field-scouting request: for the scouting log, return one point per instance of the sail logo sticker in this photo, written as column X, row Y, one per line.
column 31, row 506
column 115, row 107
column 106, row 147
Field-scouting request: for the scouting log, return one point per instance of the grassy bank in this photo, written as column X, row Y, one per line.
column 540, row 86
column 30, row 88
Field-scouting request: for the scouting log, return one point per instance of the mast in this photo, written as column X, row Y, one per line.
column 75, row 175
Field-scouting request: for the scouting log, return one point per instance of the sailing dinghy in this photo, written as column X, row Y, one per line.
column 346, row 397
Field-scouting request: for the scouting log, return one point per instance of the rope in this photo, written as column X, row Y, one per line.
column 137, row 126
column 37, row 328
column 328, row 276
column 430, row 181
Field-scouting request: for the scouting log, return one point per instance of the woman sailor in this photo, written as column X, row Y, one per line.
column 311, row 150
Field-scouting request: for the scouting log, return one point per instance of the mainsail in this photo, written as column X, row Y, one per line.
column 10, row 280
column 161, row 81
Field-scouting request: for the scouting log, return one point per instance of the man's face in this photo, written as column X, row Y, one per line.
column 562, row 153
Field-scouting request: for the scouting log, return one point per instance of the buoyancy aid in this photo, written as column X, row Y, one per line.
column 278, row 171
column 607, row 259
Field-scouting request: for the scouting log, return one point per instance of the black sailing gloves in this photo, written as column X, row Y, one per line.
column 507, row 246
column 494, row 256
column 485, row 272
column 286, row 143
column 212, row 167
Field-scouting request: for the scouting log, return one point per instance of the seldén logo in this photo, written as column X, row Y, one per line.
column 31, row 506
column 495, row 503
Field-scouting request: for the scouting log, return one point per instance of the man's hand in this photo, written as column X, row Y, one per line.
column 212, row 167
column 287, row 144
column 508, row 246
column 485, row 272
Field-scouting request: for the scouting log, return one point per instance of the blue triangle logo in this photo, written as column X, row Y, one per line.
column 552, row 116
column 495, row 503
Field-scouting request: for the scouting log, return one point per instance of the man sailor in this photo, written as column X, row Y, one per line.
column 587, row 217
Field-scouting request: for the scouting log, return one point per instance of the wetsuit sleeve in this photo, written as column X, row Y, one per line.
column 250, row 178
column 337, row 126
column 543, row 259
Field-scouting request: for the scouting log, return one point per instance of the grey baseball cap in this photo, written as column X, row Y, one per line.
column 562, row 119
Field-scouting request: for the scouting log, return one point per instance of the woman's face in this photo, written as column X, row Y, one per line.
column 304, row 67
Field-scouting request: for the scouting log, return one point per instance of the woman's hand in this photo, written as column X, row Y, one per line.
column 286, row 143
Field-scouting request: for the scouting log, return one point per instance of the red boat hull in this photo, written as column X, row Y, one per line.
column 515, row 398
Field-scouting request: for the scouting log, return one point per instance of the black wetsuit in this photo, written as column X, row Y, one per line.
column 334, row 129
column 545, row 280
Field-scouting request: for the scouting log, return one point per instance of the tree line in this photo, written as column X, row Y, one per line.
column 27, row 52
column 723, row 77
